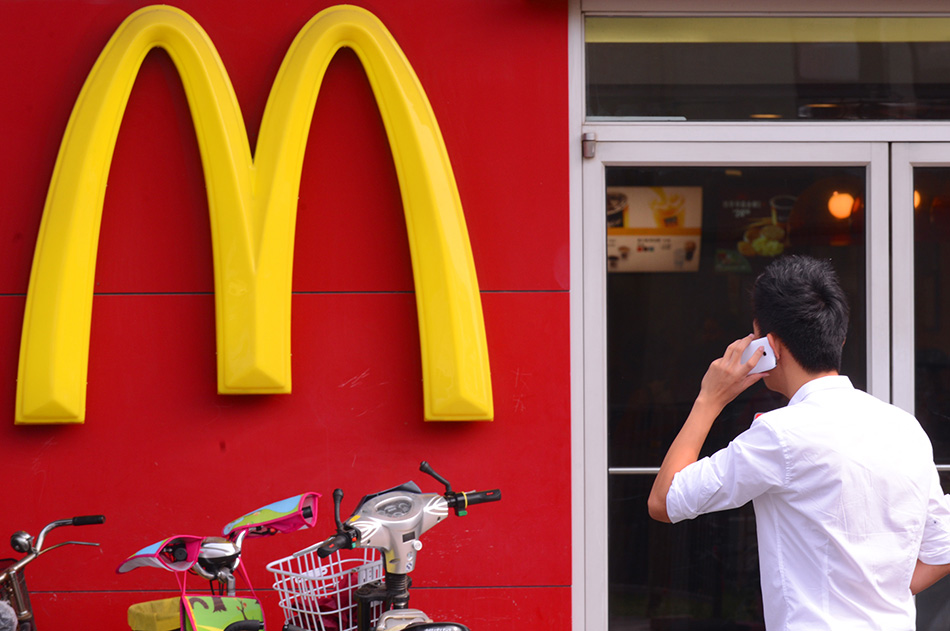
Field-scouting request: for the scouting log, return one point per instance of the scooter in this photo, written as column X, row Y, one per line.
column 391, row 521
column 216, row 559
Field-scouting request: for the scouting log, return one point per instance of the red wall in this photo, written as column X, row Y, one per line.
column 161, row 452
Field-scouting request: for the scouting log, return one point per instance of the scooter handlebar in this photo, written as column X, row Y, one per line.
column 461, row 501
column 335, row 543
column 88, row 520
column 482, row 497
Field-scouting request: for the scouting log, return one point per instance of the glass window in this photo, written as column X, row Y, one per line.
column 844, row 68
column 699, row 574
column 702, row 574
column 683, row 247
column 932, row 304
column 933, row 604
column 683, row 250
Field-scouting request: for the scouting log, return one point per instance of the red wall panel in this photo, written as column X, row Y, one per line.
column 161, row 452
column 528, row 607
column 496, row 75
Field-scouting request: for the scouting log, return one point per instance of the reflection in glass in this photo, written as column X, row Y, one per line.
column 932, row 304
column 698, row 574
column 933, row 604
column 664, row 327
column 701, row 574
column 667, row 319
column 742, row 68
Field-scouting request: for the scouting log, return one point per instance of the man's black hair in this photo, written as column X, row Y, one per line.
column 799, row 300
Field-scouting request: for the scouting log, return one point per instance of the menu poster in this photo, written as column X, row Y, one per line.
column 654, row 228
column 753, row 228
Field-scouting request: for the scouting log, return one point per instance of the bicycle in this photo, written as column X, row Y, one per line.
column 391, row 522
column 216, row 559
column 13, row 589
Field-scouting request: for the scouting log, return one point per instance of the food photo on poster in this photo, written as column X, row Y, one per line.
column 733, row 220
column 654, row 228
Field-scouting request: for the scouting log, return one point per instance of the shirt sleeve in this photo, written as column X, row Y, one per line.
column 753, row 463
column 935, row 545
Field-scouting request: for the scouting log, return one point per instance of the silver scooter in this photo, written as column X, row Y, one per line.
column 392, row 521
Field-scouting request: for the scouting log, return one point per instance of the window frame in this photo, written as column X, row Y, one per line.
column 873, row 156
column 587, row 269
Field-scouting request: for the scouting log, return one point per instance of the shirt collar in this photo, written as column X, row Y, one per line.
column 821, row 383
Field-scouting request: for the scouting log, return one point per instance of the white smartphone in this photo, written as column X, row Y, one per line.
column 766, row 362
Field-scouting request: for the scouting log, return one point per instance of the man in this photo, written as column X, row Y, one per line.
column 847, row 499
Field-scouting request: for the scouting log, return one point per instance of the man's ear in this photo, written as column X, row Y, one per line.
column 777, row 347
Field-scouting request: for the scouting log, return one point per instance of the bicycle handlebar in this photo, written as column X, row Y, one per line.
column 32, row 547
column 82, row 520
column 88, row 520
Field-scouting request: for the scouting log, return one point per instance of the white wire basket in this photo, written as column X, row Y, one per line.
column 320, row 594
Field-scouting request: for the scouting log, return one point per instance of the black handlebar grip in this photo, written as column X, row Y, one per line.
column 481, row 497
column 245, row 625
column 88, row 520
column 333, row 544
column 461, row 501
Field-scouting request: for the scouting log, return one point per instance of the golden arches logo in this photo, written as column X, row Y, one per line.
column 252, row 202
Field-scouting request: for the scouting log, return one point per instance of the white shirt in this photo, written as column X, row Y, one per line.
column 846, row 500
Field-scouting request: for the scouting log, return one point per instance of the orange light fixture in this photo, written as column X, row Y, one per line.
column 840, row 205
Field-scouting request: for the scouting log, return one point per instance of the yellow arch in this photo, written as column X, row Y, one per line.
column 252, row 203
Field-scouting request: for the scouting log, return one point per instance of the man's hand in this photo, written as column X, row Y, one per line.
column 728, row 377
column 725, row 379
column 926, row 575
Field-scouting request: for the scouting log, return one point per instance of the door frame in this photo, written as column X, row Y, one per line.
column 874, row 156
column 588, row 373
column 905, row 157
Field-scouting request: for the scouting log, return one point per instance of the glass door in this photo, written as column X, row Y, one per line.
column 920, row 200
column 669, row 262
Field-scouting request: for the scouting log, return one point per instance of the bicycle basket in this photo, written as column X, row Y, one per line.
column 319, row 594
column 17, row 595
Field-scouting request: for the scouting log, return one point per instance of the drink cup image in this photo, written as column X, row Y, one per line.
column 781, row 207
column 679, row 258
column 690, row 249
column 616, row 209
column 668, row 217
column 669, row 211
